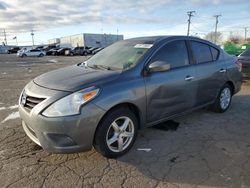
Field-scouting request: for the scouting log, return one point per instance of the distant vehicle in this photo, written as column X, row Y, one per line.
column 130, row 85
column 39, row 47
column 49, row 47
column 244, row 58
column 13, row 50
column 24, row 49
column 52, row 51
column 31, row 53
column 61, row 51
column 81, row 50
column 97, row 50
column 69, row 52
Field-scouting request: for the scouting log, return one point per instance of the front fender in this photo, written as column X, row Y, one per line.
column 132, row 91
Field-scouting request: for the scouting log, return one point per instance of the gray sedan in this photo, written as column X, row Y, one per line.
column 127, row 86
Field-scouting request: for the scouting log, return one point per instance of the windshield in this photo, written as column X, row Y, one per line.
column 246, row 53
column 119, row 56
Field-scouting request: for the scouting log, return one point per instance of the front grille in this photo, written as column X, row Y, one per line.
column 31, row 102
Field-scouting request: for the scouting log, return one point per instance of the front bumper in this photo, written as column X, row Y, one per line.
column 61, row 134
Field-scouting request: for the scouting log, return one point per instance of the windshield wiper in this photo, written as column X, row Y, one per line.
column 104, row 67
column 94, row 66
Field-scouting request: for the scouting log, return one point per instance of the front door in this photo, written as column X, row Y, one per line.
column 173, row 91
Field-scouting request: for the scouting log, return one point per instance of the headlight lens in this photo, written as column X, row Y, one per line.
column 71, row 104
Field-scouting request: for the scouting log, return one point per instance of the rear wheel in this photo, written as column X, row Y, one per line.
column 223, row 100
column 41, row 55
column 24, row 55
column 116, row 133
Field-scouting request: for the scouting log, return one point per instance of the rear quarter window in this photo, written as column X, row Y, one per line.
column 201, row 52
column 215, row 53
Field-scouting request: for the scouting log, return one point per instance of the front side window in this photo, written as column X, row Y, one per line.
column 201, row 52
column 174, row 53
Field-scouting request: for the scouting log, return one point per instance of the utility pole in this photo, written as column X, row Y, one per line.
column 16, row 42
column 32, row 35
column 117, row 34
column 5, row 39
column 216, row 26
column 246, row 33
column 190, row 14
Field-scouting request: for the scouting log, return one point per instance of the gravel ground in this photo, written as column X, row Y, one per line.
column 206, row 149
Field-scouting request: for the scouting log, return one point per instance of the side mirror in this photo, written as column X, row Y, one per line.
column 158, row 66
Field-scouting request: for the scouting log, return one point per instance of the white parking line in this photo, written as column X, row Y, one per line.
column 13, row 115
column 2, row 108
column 13, row 107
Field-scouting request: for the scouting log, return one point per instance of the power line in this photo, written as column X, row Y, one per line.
column 190, row 15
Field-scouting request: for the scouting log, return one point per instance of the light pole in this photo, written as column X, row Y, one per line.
column 32, row 35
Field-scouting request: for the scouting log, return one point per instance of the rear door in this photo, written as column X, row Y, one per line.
column 173, row 91
column 210, row 71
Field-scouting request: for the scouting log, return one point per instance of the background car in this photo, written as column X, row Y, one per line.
column 34, row 52
column 244, row 59
column 52, row 51
column 13, row 50
column 80, row 50
column 61, row 51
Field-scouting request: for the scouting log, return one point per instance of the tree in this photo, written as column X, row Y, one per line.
column 235, row 39
column 211, row 37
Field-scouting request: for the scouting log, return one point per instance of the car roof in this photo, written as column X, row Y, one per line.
column 156, row 39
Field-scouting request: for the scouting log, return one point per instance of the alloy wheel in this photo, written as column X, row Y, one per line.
column 120, row 134
column 225, row 98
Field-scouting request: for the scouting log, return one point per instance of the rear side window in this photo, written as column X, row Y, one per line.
column 215, row 53
column 201, row 52
column 174, row 53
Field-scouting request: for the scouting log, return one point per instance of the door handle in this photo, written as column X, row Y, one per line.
column 222, row 70
column 189, row 78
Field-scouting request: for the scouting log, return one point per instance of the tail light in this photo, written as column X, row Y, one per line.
column 239, row 65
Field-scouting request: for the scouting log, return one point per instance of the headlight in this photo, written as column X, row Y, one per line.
column 71, row 104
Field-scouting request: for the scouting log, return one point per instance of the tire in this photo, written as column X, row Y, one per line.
column 85, row 53
column 124, row 131
column 24, row 55
column 223, row 100
column 41, row 55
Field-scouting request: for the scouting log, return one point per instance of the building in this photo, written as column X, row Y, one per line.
column 87, row 39
column 54, row 41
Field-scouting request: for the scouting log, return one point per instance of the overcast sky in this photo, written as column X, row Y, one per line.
column 57, row 18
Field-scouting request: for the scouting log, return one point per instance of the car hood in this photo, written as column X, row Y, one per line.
column 74, row 78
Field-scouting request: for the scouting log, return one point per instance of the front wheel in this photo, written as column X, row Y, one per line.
column 116, row 133
column 223, row 100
